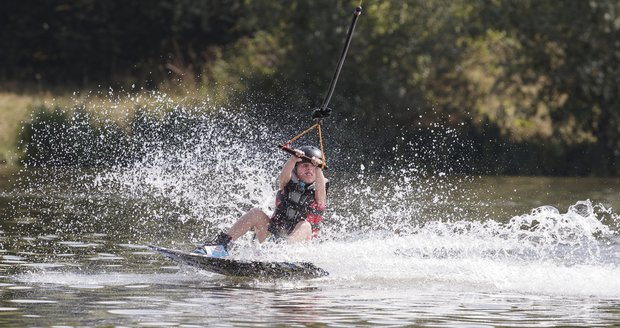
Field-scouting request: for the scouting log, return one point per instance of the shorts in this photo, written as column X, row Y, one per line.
column 282, row 228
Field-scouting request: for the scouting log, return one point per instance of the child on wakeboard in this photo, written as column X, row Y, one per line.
column 300, row 203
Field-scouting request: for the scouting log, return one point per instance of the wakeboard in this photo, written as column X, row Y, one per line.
column 238, row 268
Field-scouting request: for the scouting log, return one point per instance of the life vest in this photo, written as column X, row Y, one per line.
column 296, row 203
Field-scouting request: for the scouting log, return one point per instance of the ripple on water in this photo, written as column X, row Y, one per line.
column 79, row 244
column 158, row 324
column 110, row 302
column 86, row 286
column 105, row 257
column 12, row 258
column 13, row 262
column 48, row 237
column 7, row 309
column 44, row 265
column 136, row 312
column 137, row 286
column 133, row 246
column 142, row 253
column 28, row 301
column 25, row 220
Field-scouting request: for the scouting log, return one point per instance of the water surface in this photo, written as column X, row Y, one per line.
column 401, row 249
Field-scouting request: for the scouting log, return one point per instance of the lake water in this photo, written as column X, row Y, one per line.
column 402, row 249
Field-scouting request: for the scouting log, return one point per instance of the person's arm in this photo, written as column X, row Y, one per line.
column 287, row 170
column 320, row 190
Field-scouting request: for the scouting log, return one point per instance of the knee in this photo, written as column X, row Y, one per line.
column 257, row 212
column 258, row 216
column 305, row 226
column 302, row 232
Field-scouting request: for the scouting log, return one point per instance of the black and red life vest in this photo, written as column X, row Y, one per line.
column 297, row 203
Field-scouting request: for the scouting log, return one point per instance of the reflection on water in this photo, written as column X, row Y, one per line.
column 192, row 298
column 478, row 252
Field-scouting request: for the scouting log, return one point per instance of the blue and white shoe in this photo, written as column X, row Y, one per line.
column 211, row 250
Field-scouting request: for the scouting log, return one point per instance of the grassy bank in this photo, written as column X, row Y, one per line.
column 116, row 107
column 15, row 109
column 109, row 127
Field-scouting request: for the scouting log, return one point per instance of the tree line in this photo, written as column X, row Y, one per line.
column 533, row 85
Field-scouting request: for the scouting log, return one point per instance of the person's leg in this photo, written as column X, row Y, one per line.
column 254, row 219
column 301, row 232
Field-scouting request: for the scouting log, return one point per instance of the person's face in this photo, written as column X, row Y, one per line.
column 306, row 172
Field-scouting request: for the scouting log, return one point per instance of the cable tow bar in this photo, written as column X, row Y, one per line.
column 324, row 111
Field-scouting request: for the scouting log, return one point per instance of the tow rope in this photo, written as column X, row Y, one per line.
column 322, row 112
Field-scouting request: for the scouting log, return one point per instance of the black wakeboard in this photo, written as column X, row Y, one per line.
column 238, row 268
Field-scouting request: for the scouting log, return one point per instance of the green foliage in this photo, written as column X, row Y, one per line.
column 534, row 84
column 84, row 42
column 570, row 57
